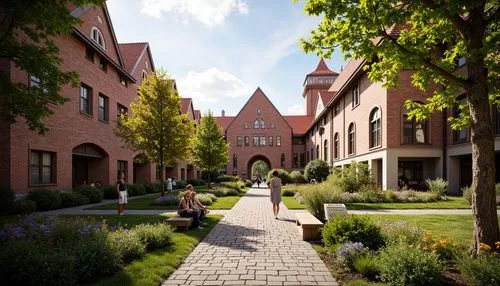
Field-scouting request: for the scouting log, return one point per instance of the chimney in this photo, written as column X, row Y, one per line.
column 223, row 113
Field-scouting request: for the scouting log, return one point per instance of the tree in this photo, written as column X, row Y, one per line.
column 156, row 126
column 433, row 35
column 317, row 169
column 260, row 169
column 27, row 32
column 209, row 150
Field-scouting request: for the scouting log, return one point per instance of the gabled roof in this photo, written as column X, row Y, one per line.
column 349, row 71
column 132, row 53
column 299, row 123
column 326, row 96
column 185, row 103
column 224, row 121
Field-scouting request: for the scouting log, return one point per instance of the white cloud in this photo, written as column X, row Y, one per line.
column 208, row 12
column 296, row 109
column 212, row 85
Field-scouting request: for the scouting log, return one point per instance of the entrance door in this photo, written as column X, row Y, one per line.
column 80, row 170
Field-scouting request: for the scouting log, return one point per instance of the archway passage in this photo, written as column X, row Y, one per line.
column 89, row 163
column 258, row 167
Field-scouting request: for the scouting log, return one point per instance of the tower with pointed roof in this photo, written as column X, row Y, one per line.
column 316, row 82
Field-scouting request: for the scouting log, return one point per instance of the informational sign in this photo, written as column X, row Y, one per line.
column 334, row 209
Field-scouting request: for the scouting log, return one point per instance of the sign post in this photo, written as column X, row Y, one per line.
column 334, row 209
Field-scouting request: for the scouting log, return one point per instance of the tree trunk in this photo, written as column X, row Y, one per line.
column 162, row 179
column 484, row 211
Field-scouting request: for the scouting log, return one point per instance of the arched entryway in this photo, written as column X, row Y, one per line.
column 258, row 159
column 89, row 163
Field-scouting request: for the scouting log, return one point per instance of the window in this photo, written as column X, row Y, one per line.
column 120, row 109
column 270, row 140
column 325, row 150
column 158, row 172
column 245, row 125
column 89, row 54
column 352, row 139
column 312, row 154
column 103, row 64
column 282, row 160
column 413, row 132
column 42, row 167
column 355, row 94
column 262, row 140
column 272, row 124
column 461, row 136
column 461, row 62
column 34, row 81
column 256, row 141
column 247, row 140
column 85, row 99
column 103, row 108
column 336, row 146
column 337, row 108
column 123, row 80
column 375, row 134
column 262, row 125
column 295, row 160
column 259, row 111
column 302, row 163
column 278, row 141
column 410, row 172
column 317, row 152
column 239, row 141
column 122, row 168
column 144, row 75
column 96, row 36
column 298, row 141
column 235, row 161
column 325, row 119
column 307, row 156
column 256, row 124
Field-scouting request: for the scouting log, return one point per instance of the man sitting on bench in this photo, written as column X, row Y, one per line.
column 187, row 209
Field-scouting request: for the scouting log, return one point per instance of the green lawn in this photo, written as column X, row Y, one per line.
column 156, row 266
column 451, row 203
column 146, row 203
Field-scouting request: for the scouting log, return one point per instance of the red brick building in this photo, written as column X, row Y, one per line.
column 80, row 145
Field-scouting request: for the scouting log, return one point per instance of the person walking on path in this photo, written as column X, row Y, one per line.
column 169, row 185
column 275, row 190
column 121, row 189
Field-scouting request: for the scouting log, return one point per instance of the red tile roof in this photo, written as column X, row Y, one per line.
column 185, row 102
column 299, row 123
column 131, row 53
column 322, row 69
column 326, row 96
column 224, row 121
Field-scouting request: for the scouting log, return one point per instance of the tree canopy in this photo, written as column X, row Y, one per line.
column 260, row 169
column 156, row 125
column 429, row 37
column 27, row 32
column 209, row 150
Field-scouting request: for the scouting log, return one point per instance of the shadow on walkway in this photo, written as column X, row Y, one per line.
column 242, row 238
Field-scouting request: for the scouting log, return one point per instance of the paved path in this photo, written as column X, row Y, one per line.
column 250, row 247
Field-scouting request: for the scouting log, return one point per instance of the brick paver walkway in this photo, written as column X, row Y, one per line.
column 250, row 247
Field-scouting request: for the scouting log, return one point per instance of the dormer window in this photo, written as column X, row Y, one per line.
column 259, row 111
column 96, row 36
column 123, row 80
column 144, row 75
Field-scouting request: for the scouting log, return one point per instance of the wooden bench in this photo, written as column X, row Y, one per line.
column 309, row 226
column 180, row 223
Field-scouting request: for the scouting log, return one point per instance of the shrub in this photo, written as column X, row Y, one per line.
column 109, row 192
column 152, row 188
column 389, row 196
column 442, row 245
column 484, row 270
column 226, row 178
column 248, row 183
column 366, row 265
column 135, row 190
column 127, row 243
column 154, row 235
column 71, row 199
column 351, row 178
column 24, row 206
column 467, row 194
column 6, row 200
column 167, row 201
column 437, row 186
column 403, row 265
column 370, row 193
column 205, row 199
column 288, row 193
column 317, row 195
column 400, row 232
column 317, row 169
column 282, row 174
column 45, row 199
column 195, row 182
column 353, row 228
column 347, row 252
column 233, row 185
column 180, row 184
column 95, row 195
column 297, row 177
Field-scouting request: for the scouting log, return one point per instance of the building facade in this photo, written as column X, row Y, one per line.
column 80, row 145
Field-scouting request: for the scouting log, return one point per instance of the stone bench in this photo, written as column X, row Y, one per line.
column 309, row 226
column 180, row 223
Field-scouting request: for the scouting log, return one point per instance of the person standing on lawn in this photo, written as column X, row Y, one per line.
column 121, row 189
column 275, row 193
column 169, row 185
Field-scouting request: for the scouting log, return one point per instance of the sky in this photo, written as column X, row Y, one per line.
column 220, row 51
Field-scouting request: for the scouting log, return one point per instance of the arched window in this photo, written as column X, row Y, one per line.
column 256, row 124
column 312, row 154
column 96, row 36
column 414, row 132
column 317, row 152
column 325, row 150
column 336, row 145
column 352, row 139
column 282, row 160
column 262, row 124
column 375, row 133
column 259, row 111
column 235, row 161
